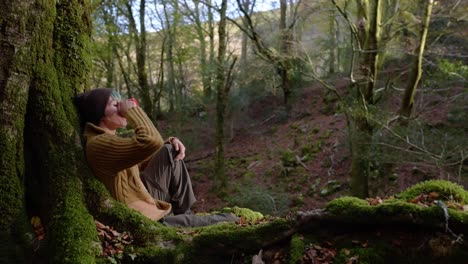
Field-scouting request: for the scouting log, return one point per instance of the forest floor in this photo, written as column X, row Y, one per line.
column 277, row 163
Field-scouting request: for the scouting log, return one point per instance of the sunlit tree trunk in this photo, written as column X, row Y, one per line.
column 416, row 73
column 43, row 65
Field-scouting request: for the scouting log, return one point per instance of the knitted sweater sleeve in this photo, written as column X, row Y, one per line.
column 113, row 153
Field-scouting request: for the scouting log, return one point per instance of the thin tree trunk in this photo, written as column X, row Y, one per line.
column 171, row 83
column 361, row 131
column 333, row 41
column 284, row 67
column 211, row 63
column 220, row 174
column 243, row 60
column 204, row 67
column 140, row 46
column 416, row 73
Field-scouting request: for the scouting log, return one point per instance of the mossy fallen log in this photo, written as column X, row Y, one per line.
column 341, row 221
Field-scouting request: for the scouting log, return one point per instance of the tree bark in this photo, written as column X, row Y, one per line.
column 416, row 73
column 14, row 83
column 44, row 64
column 282, row 61
column 369, row 14
column 221, row 180
column 204, row 64
column 140, row 48
column 211, row 63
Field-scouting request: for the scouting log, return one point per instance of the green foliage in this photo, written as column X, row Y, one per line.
column 427, row 142
column 311, row 149
column 447, row 71
column 298, row 200
column 288, row 158
column 330, row 187
column 260, row 199
column 313, row 188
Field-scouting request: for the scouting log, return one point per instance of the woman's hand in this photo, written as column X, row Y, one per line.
column 126, row 104
column 179, row 147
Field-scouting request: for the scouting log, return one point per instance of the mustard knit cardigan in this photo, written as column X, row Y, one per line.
column 116, row 162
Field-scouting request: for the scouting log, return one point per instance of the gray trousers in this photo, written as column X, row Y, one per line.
column 168, row 180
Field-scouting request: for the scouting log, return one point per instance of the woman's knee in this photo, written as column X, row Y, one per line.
column 169, row 149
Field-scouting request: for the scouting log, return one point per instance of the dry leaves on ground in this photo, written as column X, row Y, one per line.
column 423, row 199
column 113, row 242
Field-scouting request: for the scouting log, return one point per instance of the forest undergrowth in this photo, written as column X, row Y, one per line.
column 279, row 163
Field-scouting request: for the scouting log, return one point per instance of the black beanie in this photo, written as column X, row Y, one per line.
column 92, row 105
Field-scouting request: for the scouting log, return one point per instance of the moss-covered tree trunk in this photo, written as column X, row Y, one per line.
column 220, row 173
column 43, row 65
column 14, row 83
column 362, row 130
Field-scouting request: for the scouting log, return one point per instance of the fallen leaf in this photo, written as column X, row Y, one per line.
column 353, row 260
column 396, row 242
column 115, row 233
column 100, row 225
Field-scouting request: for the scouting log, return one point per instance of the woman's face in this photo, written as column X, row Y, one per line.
column 112, row 118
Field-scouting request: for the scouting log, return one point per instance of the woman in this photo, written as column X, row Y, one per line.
column 141, row 171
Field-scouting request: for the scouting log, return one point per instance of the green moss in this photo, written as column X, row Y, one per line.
column 296, row 249
column 143, row 229
column 445, row 189
column 71, row 232
column 11, row 194
column 248, row 214
column 355, row 209
column 243, row 239
column 370, row 255
column 346, row 205
column 156, row 254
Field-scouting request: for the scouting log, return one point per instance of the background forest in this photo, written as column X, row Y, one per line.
column 286, row 107
column 300, row 103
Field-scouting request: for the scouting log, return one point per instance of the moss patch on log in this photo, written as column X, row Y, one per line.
column 399, row 209
column 447, row 190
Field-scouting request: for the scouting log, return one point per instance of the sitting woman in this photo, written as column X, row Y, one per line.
column 143, row 171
